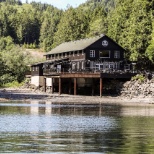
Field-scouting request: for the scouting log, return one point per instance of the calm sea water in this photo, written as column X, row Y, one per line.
column 43, row 127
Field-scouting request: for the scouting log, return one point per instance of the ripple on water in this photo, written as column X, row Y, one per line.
column 44, row 123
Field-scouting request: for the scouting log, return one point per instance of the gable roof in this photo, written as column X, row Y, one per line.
column 74, row 45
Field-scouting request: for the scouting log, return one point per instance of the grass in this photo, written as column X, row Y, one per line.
column 13, row 84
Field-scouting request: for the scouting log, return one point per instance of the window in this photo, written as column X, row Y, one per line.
column 116, row 54
column 111, row 65
column 65, row 54
column 104, row 54
column 92, row 53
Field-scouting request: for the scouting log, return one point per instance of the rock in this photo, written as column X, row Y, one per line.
column 4, row 90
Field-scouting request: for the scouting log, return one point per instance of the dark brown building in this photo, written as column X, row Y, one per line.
column 78, row 64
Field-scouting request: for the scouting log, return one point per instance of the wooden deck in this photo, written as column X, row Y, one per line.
column 72, row 77
column 80, row 75
column 112, row 75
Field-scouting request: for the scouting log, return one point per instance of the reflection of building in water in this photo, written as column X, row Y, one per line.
column 48, row 108
column 34, row 107
column 65, row 126
column 38, row 107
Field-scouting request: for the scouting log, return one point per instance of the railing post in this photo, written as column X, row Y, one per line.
column 52, row 87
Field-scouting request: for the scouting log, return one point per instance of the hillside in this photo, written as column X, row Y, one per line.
column 33, row 25
column 36, row 54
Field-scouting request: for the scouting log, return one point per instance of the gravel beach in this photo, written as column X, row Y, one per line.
column 15, row 94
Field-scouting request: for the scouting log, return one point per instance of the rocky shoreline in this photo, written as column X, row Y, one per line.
column 138, row 88
column 12, row 94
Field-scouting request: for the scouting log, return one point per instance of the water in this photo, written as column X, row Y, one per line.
column 43, row 127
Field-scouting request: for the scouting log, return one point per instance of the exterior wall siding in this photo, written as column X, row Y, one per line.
column 111, row 46
column 49, row 82
column 37, row 70
column 37, row 80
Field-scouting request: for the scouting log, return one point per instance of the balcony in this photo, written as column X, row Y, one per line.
column 90, row 73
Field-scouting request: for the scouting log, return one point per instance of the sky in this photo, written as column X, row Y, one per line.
column 61, row 4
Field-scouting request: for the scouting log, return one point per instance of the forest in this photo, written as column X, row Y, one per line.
column 42, row 26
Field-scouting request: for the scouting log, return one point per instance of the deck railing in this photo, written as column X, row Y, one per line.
column 86, row 70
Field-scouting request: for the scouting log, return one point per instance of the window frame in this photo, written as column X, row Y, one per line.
column 105, row 50
column 92, row 54
column 116, row 54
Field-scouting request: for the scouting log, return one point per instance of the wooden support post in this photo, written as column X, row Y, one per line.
column 75, row 83
column 70, row 86
column 52, row 86
column 93, row 87
column 59, row 86
column 44, row 84
column 101, row 86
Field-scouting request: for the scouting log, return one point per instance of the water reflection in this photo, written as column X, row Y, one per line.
column 55, row 128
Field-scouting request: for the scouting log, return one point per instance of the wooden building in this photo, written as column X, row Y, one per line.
column 83, row 64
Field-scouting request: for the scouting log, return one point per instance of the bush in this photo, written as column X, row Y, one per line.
column 139, row 77
column 13, row 84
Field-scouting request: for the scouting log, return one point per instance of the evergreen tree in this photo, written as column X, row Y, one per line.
column 72, row 26
column 150, row 49
column 48, row 28
column 130, row 25
column 98, row 21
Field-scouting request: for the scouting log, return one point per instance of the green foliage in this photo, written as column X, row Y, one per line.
column 6, row 43
column 30, row 46
column 128, row 22
column 13, row 84
column 139, row 77
column 73, row 26
column 130, row 25
column 150, row 49
column 13, row 62
column 48, row 28
column 6, row 78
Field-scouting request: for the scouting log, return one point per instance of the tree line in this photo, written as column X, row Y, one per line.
column 35, row 25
